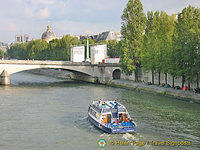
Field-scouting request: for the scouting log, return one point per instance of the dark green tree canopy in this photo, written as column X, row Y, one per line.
column 132, row 29
column 57, row 49
column 2, row 53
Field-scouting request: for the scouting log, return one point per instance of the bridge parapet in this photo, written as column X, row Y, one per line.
column 38, row 62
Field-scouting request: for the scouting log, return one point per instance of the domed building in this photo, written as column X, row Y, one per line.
column 48, row 35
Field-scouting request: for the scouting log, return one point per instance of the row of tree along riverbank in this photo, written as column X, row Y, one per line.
column 161, row 43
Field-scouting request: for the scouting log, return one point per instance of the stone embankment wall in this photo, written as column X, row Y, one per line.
column 146, row 77
column 170, row 92
column 129, row 84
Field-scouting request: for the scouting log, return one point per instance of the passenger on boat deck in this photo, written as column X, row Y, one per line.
column 128, row 120
column 99, row 103
column 103, row 105
column 115, row 106
column 114, row 123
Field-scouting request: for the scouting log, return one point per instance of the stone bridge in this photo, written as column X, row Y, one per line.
column 96, row 73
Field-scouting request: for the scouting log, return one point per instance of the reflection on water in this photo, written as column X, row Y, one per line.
column 39, row 112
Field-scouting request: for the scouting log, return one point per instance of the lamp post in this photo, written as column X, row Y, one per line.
column 87, row 50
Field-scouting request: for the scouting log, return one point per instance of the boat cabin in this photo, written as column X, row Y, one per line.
column 109, row 112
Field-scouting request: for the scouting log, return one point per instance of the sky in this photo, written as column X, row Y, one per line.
column 75, row 17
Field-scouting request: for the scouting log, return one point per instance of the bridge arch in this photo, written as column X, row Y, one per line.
column 116, row 74
column 69, row 70
column 12, row 69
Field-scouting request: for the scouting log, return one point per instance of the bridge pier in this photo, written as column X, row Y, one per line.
column 4, row 78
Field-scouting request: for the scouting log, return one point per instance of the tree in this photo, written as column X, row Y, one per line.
column 148, row 51
column 18, row 51
column 91, row 41
column 186, row 45
column 132, row 29
column 113, row 49
column 157, row 43
column 57, row 49
column 2, row 53
column 65, row 46
column 36, row 48
column 164, row 34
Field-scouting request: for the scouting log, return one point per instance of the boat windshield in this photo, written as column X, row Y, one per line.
column 96, row 108
column 106, row 110
column 115, row 113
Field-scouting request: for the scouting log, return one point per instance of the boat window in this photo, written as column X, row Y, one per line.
column 121, row 110
column 96, row 109
column 109, row 118
column 120, row 117
column 114, row 110
column 106, row 110
column 115, row 113
column 93, row 113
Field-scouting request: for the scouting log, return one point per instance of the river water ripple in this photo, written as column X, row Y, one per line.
column 44, row 113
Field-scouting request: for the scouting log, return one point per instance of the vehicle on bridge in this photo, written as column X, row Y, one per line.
column 111, row 117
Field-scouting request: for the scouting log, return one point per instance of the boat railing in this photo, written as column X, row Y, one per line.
column 121, row 125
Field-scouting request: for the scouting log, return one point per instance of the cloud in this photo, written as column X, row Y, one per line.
column 170, row 6
column 13, row 27
column 72, row 16
column 44, row 13
column 40, row 2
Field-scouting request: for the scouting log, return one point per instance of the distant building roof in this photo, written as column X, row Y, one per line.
column 3, row 46
column 104, row 36
column 109, row 35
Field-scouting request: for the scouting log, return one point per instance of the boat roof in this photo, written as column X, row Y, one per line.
column 108, row 105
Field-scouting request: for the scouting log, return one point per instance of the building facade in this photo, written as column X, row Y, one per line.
column 21, row 38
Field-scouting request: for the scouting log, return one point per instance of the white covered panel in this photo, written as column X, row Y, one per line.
column 98, row 53
column 78, row 54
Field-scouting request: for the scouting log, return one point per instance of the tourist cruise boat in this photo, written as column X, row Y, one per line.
column 111, row 117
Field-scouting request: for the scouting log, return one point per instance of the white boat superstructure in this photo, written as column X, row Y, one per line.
column 111, row 116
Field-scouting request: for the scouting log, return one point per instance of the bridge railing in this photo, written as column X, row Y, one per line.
column 62, row 63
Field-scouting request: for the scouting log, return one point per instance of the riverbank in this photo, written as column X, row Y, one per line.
column 129, row 84
column 143, row 87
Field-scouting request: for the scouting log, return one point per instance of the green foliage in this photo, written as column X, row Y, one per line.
column 169, row 45
column 132, row 29
column 158, row 42
column 102, row 42
column 113, row 49
column 2, row 53
column 18, row 51
column 57, row 49
column 186, row 44
column 91, row 41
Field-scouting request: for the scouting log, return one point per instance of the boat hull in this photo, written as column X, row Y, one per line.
column 112, row 130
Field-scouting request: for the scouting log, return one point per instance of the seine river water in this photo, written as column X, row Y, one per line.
column 44, row 113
